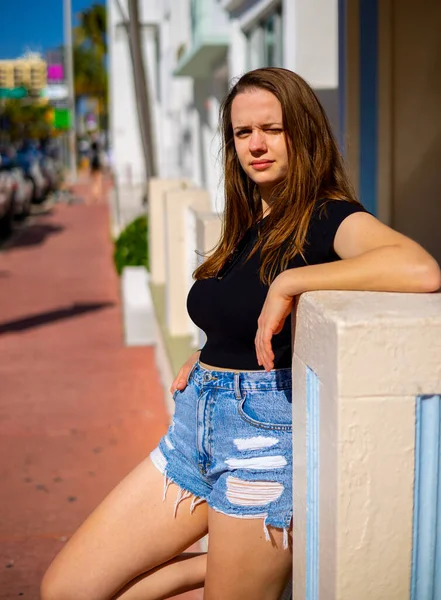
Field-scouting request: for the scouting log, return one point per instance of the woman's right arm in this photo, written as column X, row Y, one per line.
column 180, row 381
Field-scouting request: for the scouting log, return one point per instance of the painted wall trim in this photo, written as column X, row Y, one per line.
column 385, row 111
column 342, row 75
column 368, row 103
column 312, row 484
column 351, row 66
column 426, row 552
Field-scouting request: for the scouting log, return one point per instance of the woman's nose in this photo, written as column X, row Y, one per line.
column 257, row 141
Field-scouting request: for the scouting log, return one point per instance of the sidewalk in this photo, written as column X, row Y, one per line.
column 77, row 409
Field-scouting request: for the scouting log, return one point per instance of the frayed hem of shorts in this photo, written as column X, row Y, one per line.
column 182, row 492
column 182, row 495
column 159, row 460
column 266, row 525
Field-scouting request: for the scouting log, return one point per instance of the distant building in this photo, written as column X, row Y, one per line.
column 29, row 72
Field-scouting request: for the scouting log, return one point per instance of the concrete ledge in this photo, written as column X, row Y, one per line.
column 137, row 306
column 363, row 364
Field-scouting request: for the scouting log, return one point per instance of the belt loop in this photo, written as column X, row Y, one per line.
column 237, row 386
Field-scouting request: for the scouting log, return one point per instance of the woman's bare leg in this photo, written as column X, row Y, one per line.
column 182, row 574
column 96, row 186
column 130, row 533
column 241, row 563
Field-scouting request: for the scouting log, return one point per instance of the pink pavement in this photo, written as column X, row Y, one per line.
column 78, row 410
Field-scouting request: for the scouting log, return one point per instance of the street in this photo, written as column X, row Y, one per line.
column 78, row 410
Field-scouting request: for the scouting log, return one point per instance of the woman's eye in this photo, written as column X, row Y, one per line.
column 274, row 130
column 242, row 132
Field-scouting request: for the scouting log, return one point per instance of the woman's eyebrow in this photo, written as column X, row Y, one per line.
column 249, row 126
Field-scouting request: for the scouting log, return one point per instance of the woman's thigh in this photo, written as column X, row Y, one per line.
column 132, row 531
column 241, row 563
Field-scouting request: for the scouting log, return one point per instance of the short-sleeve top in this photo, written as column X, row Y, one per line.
column 227, row 308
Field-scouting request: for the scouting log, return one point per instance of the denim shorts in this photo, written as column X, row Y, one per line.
column 230, row 444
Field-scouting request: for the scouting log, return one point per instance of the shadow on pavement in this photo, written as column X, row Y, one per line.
column 51, row 316
column 32, row 235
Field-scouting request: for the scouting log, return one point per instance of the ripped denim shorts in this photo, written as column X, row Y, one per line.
column 230, row 444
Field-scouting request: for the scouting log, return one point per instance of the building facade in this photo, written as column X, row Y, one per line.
column 390, row 96
column 367, row 374
column 29, row 72
column 376, row 83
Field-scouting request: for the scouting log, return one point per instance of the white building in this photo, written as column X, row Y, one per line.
column 192, row 50
column 375, row 427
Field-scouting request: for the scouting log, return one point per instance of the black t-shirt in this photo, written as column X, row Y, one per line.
column 227, row 308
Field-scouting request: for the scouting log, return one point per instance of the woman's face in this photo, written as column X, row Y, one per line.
column 259, row 139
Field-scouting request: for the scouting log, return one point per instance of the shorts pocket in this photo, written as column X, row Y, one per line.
column 267, row 410
column 177, row 394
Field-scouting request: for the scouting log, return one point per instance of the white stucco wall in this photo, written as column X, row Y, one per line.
column 310, row 34
column 124, row 129
column 175, row 94
column 372, row 354
column 237, row 54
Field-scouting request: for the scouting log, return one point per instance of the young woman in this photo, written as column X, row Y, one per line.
column 225, row 465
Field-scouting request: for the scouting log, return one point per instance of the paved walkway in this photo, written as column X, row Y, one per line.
column 77, row 409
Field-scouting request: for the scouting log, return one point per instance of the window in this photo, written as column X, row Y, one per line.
column 265, row 42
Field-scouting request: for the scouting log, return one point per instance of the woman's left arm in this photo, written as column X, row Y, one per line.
column 375, row 258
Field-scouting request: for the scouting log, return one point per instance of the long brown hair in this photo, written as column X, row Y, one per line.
column 315, row 172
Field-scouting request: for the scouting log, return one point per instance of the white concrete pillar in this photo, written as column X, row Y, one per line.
column 156, row 225
column 310, row 34
column 237, row 52
column 176, row 254
column 366, row 369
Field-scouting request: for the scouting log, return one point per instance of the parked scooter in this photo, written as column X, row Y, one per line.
column 28, row 158
column 22, row 187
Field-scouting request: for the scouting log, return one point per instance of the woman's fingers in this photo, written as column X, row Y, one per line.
column 180, row 380
column 266, row 348
column 264, row 351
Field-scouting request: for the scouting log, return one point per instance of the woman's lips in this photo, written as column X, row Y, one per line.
column 261, row 165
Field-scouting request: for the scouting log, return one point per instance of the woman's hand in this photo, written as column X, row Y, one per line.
column 277, row 307
column 180, row 381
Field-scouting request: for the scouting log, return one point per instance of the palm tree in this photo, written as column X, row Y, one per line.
column 89, row 54
column 91, row 31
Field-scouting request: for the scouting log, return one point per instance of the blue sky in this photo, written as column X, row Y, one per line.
column 35, row 25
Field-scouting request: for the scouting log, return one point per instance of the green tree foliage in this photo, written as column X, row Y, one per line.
column 23, row 118
column 92, row 30
column 89, row 53
column 131, row 246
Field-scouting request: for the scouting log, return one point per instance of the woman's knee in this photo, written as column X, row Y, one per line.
column 54, row 588
column 57, row 585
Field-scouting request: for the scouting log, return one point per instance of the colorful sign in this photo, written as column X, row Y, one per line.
column 55, row 73
column 62, row 118
column 18, row 92
column 56, row 91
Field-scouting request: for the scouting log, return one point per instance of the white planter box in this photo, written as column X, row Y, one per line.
column 138, row 317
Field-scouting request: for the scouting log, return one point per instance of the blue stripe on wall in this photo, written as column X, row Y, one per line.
column 342, row 74
column 368, row 103
column 312, row 484
column 426, row 552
